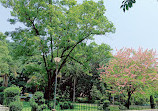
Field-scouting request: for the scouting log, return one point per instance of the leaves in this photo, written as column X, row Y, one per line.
column 131, row 70
column 126, row 4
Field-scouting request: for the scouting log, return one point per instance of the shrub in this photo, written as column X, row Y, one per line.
column 1, row 94
column 51, row 105
column 37, row 102
column 122, row 107
column 140, row 101
column 66, row 105
column 27, row 99
column 11, row 94
column 16, row 106
column 116, row 103
column 43, row 106
column 106, row 105
column 82, row 99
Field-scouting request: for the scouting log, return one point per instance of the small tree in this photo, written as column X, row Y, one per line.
column 11, row 94
column 130, row 71
column 37, row 102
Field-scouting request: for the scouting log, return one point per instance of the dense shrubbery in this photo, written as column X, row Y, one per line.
column 37, row 102
column 16, row 106
column 1, row 94
column 11, row 94
column 82, row 99
column 12, row 99
column 122, row 107
column 66, row 105
column 103, row 104
column 106, row 104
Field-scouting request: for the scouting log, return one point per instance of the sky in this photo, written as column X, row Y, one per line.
column 135, row 28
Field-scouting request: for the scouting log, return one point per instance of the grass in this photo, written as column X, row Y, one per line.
column 86, row 107
column 77, row 107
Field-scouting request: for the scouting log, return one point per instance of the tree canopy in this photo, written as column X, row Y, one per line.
column 130, row 71
column 54, row 29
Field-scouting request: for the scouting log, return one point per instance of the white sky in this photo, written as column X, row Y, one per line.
column 136, row 28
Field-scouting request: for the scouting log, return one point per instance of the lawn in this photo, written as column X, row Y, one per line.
column 77, row 107
column 86, row 107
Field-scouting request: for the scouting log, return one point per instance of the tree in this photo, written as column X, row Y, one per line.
column 5, row 60
column 130, row 71
column 54, row 29
column 81, row 70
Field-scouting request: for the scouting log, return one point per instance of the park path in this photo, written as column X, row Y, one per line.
column 2, row 108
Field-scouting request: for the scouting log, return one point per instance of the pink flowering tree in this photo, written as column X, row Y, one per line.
column 130, row 71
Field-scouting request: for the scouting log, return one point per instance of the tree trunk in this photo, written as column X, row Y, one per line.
column 128, row 101
column 152, row 104
column 113, row 99
column 48, row 87
column 5, row 80
column 74, row 90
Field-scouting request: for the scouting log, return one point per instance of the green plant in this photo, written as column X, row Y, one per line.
column 82, row 99
column 27, row 98
column 116, row 103
column 37, row 102
column 122, row 107
column 51, row 105
column 106, row 104
column 16, row 106
column 11, row 94
column 1, row 94
column 66, row 105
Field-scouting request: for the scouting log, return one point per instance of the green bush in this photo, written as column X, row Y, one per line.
column 27, row 99
column 1, row 94
column 37, row 102
column 43, row 106
column 139, row 101
column 106, row 105
column 82, row 99
column 116, row 103
column 51, row 104
column 16, row 106
column 122, row 107
column 66, row 105
column 11, row 94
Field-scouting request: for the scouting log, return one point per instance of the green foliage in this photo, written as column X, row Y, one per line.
column 11, row 94
column 1, row 94
column 106, row 105
column 4, row 56
column 55, row 29
column 82, row 99
column 16, row 106
column 37, row 102
column 122, row 107
column 126, row 4
column 66, row 105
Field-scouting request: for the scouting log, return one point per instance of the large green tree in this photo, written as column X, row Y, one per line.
column 54, row 29
column 84, row 76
